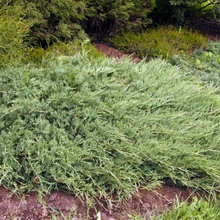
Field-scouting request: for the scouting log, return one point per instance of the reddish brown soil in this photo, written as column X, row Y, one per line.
column 145, row 202
column 114, row 53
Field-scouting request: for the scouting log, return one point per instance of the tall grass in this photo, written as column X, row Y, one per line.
column 95, row 127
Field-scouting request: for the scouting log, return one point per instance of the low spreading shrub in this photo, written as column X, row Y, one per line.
column 71, row 48
column 203, row 64
column 162, row 42
column 198, row 209
column 97, row 126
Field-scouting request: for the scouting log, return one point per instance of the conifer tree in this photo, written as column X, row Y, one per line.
column 117, row 15
column 52, row 20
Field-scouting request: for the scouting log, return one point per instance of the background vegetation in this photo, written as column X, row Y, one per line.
column 118, row 15
column 51, row 20
column 178, row 11
column 69, row 19
column 12, row 46
column 161, row 42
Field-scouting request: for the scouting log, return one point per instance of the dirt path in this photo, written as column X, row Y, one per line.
column 114, row 53
column 144, row 202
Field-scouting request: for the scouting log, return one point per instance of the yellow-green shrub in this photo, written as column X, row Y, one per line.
column 71, row 48
column 160, row 42
column 36, row 55
column 13, row 29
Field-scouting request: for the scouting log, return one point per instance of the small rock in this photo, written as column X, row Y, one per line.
column 53, row 197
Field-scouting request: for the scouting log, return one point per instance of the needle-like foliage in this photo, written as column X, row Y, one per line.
column 101, row 126
column 198, row 209
column 13, row 30
column 203, row 64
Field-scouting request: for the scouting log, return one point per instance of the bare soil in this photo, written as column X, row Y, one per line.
column 65, row 206
column 113, row 52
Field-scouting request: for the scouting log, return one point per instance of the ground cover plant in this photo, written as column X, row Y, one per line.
column 179, row 11
column 198, row 209
column 97, row 126
column 203, row 64
column 161, row 42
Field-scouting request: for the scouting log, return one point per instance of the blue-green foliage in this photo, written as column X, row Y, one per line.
column 196, row 210
column 203, row 64
column 100, row 126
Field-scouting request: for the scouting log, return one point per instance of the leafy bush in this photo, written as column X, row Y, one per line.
column 208, row 8
column 161, row 42
column 13, row 30
column 97, row 126
column 197, row 210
